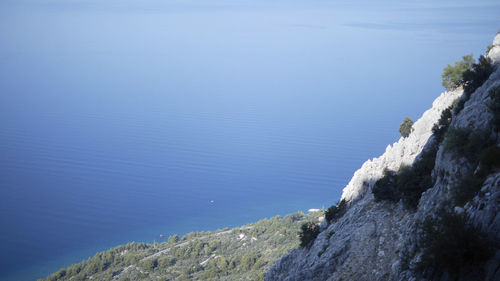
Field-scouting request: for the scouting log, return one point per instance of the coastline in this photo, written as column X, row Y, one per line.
column 132, row 260
column 150, row 235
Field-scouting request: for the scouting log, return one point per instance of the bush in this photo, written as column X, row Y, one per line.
column 466, row 188
column 414, row 180
column 490, row 158
column 467, row 143
column 405, row 128
column 455, row 137
column 309, row 232
column 475, row 77
column 472, row 79
column 479, row 149
column 495, row 107
column 452, row 245
column 173, row 239
column 385, row 189
column 149, row 264
column 336, row 211
column 440, row 128
column 409, row 182
column 489, row 161
column 460, row 104
column 452, row 75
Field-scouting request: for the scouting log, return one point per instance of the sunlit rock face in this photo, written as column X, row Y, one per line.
column 494, row 53
column 370, row 241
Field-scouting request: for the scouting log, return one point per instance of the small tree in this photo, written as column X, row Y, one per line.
column 336, row 211
column 406, row 127
column 173, row 239
column 309, row 232
column 452, row 75
column 476, row 75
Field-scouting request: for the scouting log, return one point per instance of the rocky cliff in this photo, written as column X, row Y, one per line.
column 380, row 240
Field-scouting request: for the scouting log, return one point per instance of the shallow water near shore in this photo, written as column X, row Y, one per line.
column 123, row 120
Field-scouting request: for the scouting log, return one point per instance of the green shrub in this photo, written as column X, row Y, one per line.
column 414, row 180
column 409, row 182
column 440, row 128
column 489, row 161
column 467, row 143
column 495, row 107
column 468, row 185
column 488, row 48
column 309, row 232
column 491, row 157
column 452, row 75
column 336, row 211
column 406, row 127
column 149, row 264
column 385, row 189
column 173, row 239
column 455, row 137
column 460, row 104
column 481, row 151
column 452, row 245
column 475, row 77
column 472, row 79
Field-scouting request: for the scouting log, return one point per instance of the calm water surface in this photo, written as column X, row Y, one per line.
column 122, row 120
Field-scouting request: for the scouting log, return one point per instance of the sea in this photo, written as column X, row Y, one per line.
column 133, row 120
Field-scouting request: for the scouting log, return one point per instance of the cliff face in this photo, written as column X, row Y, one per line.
column 372, row 239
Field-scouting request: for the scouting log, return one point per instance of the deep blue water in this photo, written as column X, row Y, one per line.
column 121, row 120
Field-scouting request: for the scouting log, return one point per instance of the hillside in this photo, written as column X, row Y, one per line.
column 243, row 253
column 428, row 208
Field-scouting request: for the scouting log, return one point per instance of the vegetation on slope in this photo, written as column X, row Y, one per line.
column 244, row 253
column 406, row 127
column 309, row 232
column 451, row 244
column 494, row 106
column 410, row 182
column 335, row 212
column 452, row 75
column 472, row 79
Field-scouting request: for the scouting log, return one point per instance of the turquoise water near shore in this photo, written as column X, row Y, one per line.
column 123, row 120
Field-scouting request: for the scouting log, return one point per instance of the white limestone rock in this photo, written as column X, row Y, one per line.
column 494, row 53
column 402, row 152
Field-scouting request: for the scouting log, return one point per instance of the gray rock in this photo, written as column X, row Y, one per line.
column 372, row 240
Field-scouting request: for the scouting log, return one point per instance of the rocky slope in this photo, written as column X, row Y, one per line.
column 380, row 240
